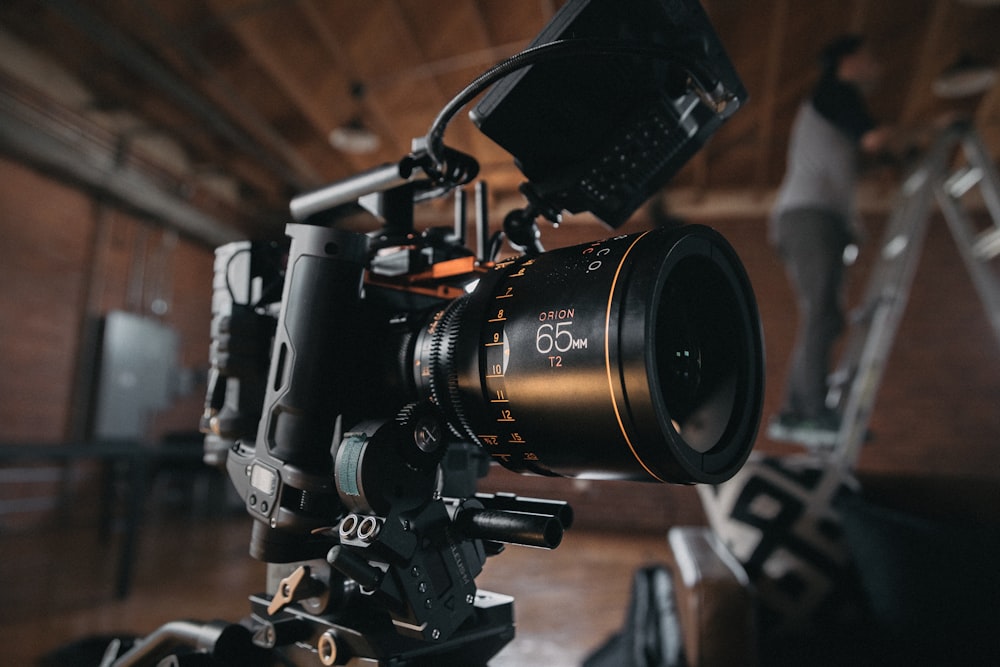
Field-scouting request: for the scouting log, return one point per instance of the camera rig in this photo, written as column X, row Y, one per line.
column 362, row 383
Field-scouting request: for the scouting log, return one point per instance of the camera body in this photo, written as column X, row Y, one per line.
column 362, row 383
column 636, row 357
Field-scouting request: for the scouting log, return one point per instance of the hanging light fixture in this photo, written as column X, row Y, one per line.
column 354, row 136
column 965, row 78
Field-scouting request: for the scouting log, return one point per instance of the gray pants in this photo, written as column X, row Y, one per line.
column 811, row 243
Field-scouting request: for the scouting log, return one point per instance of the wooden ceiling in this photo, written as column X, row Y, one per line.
column 231, row 102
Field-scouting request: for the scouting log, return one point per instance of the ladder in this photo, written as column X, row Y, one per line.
column 949, row 173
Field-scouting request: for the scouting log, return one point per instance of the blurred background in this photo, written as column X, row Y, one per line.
column 136, row 136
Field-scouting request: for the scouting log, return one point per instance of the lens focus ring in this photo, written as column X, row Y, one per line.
column 443, row 376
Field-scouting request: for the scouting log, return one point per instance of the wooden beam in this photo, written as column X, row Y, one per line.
column 178, row 49
column 172, row 92
column 934, row 43
column 322, row 97
column 859, row 16
column 373, row 113
column 987, row 120
column 775, row 56
column 36, row 135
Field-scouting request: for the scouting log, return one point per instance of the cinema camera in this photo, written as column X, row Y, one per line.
column 362, row 382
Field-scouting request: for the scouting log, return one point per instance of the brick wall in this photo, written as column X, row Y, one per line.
column 67, row 260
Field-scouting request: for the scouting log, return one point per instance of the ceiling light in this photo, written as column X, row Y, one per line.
column 964, row 78
column 354, row 138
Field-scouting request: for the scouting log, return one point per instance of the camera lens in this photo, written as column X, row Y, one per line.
column 697, row 367
column 638, row 357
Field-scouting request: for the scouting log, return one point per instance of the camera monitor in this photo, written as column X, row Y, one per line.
column 602, row 127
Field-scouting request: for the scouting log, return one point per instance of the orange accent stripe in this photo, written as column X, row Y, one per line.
column 607, row 361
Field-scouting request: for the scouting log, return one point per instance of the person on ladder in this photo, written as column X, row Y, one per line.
column 814, row 221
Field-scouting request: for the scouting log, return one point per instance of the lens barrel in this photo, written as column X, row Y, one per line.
column 637, row 357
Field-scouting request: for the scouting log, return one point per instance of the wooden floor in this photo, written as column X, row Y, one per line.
column 57, row 583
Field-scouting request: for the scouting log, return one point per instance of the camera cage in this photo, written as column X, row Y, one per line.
column 373, row 529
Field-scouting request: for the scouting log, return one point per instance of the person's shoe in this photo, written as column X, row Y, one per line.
column 818, row 432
